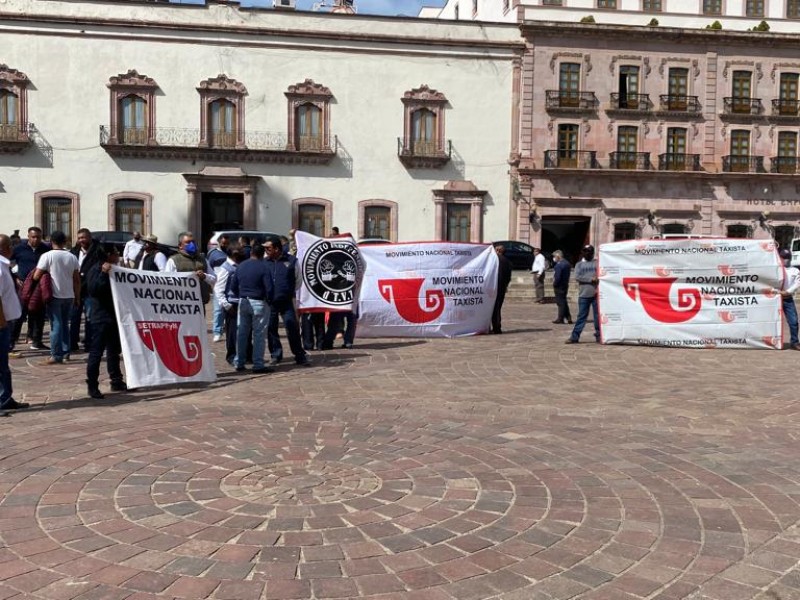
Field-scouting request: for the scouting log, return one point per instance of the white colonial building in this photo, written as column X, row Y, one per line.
column 161, row 117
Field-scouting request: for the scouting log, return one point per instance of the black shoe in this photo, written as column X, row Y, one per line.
column 303, row 362
column 12, row 404
column 347, row 346
column 274, row 361
column 261, row 370
column 96, row 393
column 571, row 341
column 119, row 386
column 240, row 369
column 558, row 322
column 569, row 321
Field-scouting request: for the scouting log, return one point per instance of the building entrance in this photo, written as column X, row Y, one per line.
column 568, row 234
column 220, row 211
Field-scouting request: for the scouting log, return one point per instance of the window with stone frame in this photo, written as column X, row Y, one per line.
column 459, row 212
column 754, row 8
column 652, row 5
column 423, row 130
column 606, row 3
column 737, row 231
column 625, row 231
column 133, row 109
column 312, row 215
column 130, row 211
column 309, row 117
column 13, row 105
column 378, row 219
column 793, row 9
column 222, row 113
column 712, row 7
column 673, row 228
column 57, row 210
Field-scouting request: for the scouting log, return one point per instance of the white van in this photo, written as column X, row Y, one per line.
column 796, row 252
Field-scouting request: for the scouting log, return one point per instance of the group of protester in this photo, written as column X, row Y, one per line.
column 251, row 288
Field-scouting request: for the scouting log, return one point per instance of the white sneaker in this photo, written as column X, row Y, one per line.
column 217, row 337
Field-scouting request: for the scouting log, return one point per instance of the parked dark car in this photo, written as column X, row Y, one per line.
column 519, row 253
column 120, row 238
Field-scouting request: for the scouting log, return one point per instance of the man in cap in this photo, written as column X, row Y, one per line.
column 132, row 249
column 150, row 258
column 791, row 283
column 586, row 276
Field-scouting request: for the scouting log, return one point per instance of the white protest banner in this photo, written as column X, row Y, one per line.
column 691, row 293
column 331, row 271
column 162, row 327
column 427, row 289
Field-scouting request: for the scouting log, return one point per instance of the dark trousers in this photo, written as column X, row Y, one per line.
column 563, row 305
column 312, row 328
column 285, row 311
column 231, row 330
column 35, row 326
column 497, row 319
column 5, row 370
column 105, row 338
column 336, row 324
column 84, row 307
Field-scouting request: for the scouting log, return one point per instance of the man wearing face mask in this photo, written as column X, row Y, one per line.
column 189, row 260
column 586, row 276
column 791, row 284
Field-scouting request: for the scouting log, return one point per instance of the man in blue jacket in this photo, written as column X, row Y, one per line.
column 252, row 286
column 283, row 270
column 561, row 273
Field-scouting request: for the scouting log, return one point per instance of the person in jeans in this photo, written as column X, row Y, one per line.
column 586, row 276
column 10, row 310
column 65, row 275
column 538, row 268
column 252, row 285
column 791, row 284
column 89, row 253
column 228, row 303
column 561, row 273
column 216, row 258
column 283, row 275
column 26, row 256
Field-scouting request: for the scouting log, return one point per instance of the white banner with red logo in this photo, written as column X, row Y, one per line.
column 162, row 327
column 427, row 289
column 691, row 293
column 331, row 272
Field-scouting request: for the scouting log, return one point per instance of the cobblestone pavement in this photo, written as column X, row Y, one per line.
column 511, row 467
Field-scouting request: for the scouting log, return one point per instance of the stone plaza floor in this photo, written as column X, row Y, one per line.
column 511, row 467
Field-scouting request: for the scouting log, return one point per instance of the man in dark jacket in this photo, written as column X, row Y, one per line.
column 283, row 274
column 561, row 273
column 252, row 285
column 503, row 279
column 26, row 256
column 105, row 330
column 89, row 253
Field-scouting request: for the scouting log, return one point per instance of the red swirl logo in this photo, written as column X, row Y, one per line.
column 405, row 295
column 653, row 294
column 162, row 338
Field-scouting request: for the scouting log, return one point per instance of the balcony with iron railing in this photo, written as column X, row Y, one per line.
column 424, row 154
column 14, row 137
column 679, row 104
column 743, row 164
column 223, row 145
column 786, row 108
column 570, row 159
column 570, row 101
column 633, row 161
column 631, row 102
column 787, row 165
column 678, row 162
column 733, row 105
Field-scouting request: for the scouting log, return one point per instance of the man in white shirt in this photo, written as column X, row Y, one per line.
column 538, row 268
column 132, row 249
column 790, row 285
column 151, row 259
column 64, row 272
column 10, row 310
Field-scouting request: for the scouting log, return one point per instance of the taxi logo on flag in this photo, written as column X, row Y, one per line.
column 331, row 269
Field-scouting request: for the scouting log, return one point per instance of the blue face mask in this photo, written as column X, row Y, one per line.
column 191, row 248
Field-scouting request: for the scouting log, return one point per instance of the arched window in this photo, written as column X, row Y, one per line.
column 222, row 124
column 133, row 119
column 423, row 132
column 309, row 127
column 738, row 231
column 624, row 231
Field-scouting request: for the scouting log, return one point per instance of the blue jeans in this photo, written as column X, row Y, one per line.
column 790, row 312
column 218, row 319
column 583, row 314
column 5, row 371
column 60, row 310
column 252, row 321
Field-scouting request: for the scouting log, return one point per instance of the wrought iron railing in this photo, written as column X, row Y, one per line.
column 635, row 161
column 789, row 165
column 570, row 159
column 742, row 106
column 410, row 147
column 630, row 102
column 570, row 99
column 680, row 103
column 787, row 108
column 678, row 162
column 14, row 132
column 743, row 164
